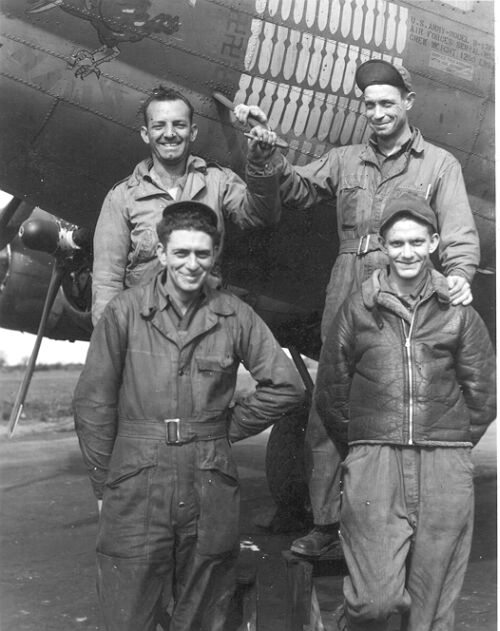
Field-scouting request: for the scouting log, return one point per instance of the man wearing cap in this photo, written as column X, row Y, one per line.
column 360, row 178
column 125, row 237
column 155, row 425
column 406, row 381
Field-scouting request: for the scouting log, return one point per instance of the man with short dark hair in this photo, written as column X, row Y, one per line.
column 125, row 238
column 360, row 178
column 155, row 423
column 407, row 382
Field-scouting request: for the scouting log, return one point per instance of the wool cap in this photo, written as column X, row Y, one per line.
column 409, row 203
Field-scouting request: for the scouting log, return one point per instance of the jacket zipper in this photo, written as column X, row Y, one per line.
column 410, row 373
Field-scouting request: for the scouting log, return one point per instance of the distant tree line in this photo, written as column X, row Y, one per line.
column 39, row 367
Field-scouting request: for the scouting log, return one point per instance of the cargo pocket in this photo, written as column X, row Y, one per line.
column 219, row 495
column 126, row 500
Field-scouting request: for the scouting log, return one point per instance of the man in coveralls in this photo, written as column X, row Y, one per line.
column 125, row 236
column 360, row 179
column 155, row 423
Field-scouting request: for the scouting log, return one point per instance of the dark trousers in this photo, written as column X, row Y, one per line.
column 323, row 470
column 406, row 532
column 168, row 535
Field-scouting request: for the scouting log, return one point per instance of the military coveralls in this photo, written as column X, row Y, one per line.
column 168, row 529
column 125, row 236
column 361, row 179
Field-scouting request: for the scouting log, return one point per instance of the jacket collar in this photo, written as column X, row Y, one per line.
column 374, row 296
column 144, row 186
column 217, row 303
column 416, row 146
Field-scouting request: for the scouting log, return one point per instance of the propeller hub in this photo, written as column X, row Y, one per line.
column 38, row 234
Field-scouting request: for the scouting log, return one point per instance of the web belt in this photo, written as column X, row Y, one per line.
column 174, row 431
column 360, row 246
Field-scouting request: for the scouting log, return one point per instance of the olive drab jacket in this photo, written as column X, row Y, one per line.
column 140, row 371
column 125, row 236
column 352, row 177
column 389, row 375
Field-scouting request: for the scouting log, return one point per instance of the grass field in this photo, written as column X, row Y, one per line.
column 49, row 396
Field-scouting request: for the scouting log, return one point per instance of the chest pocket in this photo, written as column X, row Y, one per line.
column 215, row 381
column 144, row 246
column 352, row 203
column 215, row 364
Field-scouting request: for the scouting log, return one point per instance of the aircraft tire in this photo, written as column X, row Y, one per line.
column 286, row 475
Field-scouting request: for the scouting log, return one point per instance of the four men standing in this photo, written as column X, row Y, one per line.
column 153, row 404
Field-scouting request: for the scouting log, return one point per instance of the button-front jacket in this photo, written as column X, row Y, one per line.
column 125, row 236
column 360, row 180
column 141, row 370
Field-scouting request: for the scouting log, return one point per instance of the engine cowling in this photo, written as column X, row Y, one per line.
column 24, row 279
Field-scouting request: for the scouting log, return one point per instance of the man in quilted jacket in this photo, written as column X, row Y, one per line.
column 407, row 381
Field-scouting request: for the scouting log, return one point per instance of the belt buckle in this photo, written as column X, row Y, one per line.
column 363, row 249
column 172, row 431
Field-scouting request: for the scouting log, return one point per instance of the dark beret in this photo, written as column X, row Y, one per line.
column 188, row 206
column 378, row 71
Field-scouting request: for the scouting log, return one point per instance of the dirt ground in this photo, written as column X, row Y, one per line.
column 49, row 521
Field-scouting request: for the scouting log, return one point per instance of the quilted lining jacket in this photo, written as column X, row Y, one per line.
column 394, row 376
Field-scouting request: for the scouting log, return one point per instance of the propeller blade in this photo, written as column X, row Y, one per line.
column 55, row 282
column 11, row 218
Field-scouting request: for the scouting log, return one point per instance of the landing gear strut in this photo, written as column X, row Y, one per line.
column 285, row 463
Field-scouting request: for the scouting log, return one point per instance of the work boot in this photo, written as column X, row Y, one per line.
column 319, row 541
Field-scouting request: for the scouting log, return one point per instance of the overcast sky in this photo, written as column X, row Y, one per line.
column 15, row 346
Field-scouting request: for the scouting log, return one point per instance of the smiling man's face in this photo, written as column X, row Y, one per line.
column 169, row 132
column 408, row 245
column 386, row 108
column 188, row 257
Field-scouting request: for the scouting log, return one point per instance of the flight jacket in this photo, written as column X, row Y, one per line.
column 125, row 237
column 388, row 375
column 140, row 371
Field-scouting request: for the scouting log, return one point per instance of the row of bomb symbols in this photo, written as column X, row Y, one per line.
column 374, row 23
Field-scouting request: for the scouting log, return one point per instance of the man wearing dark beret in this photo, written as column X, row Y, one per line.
column 360, row 178
column 155, row 425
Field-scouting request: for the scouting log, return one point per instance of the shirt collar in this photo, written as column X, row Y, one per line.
column 411, row 143
column 387, row 285
column 165, row 299
column 193, row 163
